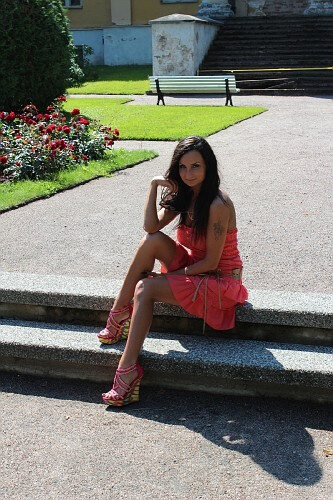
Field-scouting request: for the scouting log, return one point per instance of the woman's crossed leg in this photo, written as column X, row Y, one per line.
column 145, row 292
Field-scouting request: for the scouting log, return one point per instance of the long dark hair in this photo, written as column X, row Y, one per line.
column 180, row 201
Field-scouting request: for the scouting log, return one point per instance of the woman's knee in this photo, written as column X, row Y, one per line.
column 143, row 289
column 152, row 238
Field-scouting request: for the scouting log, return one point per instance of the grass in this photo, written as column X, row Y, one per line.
column 17, row 193
column 116, row 80
column 169, row 123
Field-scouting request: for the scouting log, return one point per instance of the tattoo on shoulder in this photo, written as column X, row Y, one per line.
column 218, row 229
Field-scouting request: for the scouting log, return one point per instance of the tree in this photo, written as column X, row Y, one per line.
column 38, row 57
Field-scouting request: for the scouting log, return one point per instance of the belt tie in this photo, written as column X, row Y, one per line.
column 236, row 274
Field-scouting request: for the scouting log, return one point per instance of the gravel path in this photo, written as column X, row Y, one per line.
column 59, row 442
column 275, row 166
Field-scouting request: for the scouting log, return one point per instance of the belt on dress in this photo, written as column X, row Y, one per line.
column 236, row 274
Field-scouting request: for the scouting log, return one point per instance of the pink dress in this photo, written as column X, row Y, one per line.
column 211, row 297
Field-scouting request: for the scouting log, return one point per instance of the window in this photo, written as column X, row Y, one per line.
column 72, row 4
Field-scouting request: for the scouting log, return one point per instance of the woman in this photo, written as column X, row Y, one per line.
column 201, row 271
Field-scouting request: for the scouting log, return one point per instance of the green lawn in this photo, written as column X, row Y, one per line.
column 116, row 80
column 167, row 123
column 13, row 194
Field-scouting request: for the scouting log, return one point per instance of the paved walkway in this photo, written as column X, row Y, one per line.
column 58, row 441
column 275, row 166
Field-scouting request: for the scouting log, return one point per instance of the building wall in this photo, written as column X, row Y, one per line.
column 146, row 10
column 125, row 45
column 94, row 39
column 94, row 14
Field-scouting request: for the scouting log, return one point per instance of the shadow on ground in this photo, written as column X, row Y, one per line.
column 273, row 432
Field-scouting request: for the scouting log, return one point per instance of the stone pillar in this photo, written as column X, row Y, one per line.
column 179, row 44
column 255, row 7
column 208, row 8
column 319, row 7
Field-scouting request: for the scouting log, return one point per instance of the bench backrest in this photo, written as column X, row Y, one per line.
column 194, row 84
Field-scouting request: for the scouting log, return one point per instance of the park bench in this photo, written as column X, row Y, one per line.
column 222, row 84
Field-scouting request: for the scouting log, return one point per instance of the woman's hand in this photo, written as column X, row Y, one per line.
column 159, row 180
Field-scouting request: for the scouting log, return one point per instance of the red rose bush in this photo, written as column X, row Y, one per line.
column 35, row 145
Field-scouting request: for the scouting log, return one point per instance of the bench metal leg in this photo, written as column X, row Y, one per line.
column 228, row 94
column 160, row 96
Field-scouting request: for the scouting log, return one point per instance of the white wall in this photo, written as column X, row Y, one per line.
column 179, row 46
column 118, row 45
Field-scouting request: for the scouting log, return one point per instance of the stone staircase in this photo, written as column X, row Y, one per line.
column 274, row 44
column 282, row 345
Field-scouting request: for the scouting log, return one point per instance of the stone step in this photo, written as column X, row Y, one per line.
column 277, row 50
column 271, row 42
column 275, row 20
column 322, row 87
column 323, row 35
column 262, row 61
column 221, row 366
column 269, row 315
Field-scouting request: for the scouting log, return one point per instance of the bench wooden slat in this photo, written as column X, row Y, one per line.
column 194, row 84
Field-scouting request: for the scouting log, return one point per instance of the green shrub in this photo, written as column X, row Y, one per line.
column 38, row 58
column 35, row 145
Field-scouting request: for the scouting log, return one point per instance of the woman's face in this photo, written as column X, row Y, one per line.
column 192, row 169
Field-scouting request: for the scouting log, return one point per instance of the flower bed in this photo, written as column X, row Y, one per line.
column 35, row 145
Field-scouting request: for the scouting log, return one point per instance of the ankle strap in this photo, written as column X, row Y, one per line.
column 128, row 369
column 122, row 309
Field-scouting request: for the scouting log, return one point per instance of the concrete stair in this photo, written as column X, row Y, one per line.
column 282, row 345
column 273, row 43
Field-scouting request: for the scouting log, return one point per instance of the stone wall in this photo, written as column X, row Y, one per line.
column 288, row 7
column 179, row 43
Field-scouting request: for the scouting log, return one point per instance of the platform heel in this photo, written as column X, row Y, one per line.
column 122, row 393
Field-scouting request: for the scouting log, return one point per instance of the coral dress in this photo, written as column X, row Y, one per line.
column 211, row 297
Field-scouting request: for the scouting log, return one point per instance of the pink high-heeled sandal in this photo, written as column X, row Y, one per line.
column 122, row 393
column 121, row 328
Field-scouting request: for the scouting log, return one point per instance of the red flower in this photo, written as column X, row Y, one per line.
column 61, row 98
column 106, row 138
column 59, row 128
column 75, row 158
column 30, row 108
column 116, row 131
column 49, row 129
column 50, row 109
column 39, row 116
column 85, row 157
column 10, row 117
column 3, row 159
column 2, row 114
column 75, row 111
column 55, row 115
column 31, row 122
column 66, row 129
column 47, row 117
column 84, row 121
column 18, row 163
column 18, row 136
column 110, row 143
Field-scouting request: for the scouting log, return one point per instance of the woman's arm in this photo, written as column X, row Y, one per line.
column 153, row 220
column 219, row 214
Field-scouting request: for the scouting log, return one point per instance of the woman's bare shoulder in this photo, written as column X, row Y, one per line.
column 224, row 205
column 222, row 200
